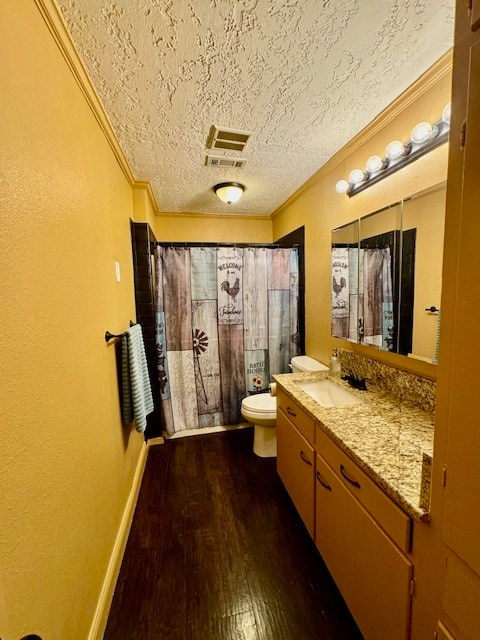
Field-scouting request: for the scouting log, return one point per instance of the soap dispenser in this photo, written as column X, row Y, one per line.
column 335, row 364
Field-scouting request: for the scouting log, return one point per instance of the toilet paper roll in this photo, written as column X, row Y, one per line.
column 273, row 388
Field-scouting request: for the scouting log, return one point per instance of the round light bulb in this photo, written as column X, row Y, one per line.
column 356, row 176
column 342, row 186
column 374, row 164
column 396, row 149
column 423, row 131
column 446, row 113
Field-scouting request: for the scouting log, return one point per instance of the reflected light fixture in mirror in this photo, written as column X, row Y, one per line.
column 424, row 137
column 229, row 192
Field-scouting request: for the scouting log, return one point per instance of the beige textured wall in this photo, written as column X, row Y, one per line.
column 321, row 209
column 66, row 463
column 191, row 228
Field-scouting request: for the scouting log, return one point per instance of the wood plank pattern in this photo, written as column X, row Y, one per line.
column 255, row 299
column 278, row 269
column 279, row 331
column 232, row 371
column 218, row 552
column 203, row 273
column 177, row 298
column 182, row 385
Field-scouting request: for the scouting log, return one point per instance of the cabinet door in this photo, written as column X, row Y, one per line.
column 295, row 466
column 370, row 571
column 475, row 15
column 442, row 633
column 462, row 493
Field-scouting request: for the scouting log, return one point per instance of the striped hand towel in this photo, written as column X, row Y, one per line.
column 141, row 391
column 126, row 404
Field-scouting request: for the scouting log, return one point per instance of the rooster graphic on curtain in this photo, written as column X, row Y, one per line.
column 362, row 295
column 226, row 320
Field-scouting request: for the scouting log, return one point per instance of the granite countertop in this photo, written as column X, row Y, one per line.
column 385, row 437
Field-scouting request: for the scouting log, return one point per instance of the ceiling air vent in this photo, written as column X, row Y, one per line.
column 228, row 139
column 222, row 161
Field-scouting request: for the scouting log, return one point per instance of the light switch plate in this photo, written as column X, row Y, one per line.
column 117, row 272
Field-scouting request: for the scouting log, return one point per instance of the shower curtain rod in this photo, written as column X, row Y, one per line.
column 236, row 245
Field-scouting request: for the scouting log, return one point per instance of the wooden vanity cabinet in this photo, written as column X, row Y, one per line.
column 394, row 522
column 373, row 575
column 296, row 460
column 362, row 535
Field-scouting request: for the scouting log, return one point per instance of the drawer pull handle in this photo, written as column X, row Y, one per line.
column 323, row 482
column 347, row 477
column 305, row 459
column 291, row 413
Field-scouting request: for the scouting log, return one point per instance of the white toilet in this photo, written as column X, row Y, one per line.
column 261, row 410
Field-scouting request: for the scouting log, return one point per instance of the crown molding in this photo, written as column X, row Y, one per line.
column 144, row 185
column 56, row 25
column 436, row 72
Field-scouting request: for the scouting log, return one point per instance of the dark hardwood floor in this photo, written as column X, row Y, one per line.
column 218, row 552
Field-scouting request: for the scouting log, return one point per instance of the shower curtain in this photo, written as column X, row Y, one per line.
column 226, row 320
column 378, row 320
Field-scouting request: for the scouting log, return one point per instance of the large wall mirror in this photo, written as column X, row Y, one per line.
column 386, row 276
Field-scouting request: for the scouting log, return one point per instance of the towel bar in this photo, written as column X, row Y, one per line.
column 109, row 336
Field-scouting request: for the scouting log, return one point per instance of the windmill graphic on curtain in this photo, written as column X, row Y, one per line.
column 200, row 345
column 226, row 320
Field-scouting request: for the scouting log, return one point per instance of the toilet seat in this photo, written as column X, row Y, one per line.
column 261, row 411
column 262, row 404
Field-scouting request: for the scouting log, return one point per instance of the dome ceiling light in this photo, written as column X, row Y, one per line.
column 229, row 192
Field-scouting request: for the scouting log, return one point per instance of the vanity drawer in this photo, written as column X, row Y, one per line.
column 296, row 466
column 297, row 416
column 391, row 518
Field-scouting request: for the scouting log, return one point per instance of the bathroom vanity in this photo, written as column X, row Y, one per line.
column 357, row 477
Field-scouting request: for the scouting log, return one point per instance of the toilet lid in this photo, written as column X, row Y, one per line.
column 261, row 403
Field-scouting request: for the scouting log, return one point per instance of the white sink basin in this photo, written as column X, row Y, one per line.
column 329, row 394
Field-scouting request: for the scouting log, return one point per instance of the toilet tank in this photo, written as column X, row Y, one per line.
column 305, row 363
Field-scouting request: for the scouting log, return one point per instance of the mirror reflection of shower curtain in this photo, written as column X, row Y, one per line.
column 226, row 320
column 345, row 288
column 377, row 318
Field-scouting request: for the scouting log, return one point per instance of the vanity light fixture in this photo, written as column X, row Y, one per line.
column 342, row 186
column 397, row 149
column 424, row 138
column 446, row 113
column 357, row 175
column 423, row 131
column 376, row 163
column 229, row 192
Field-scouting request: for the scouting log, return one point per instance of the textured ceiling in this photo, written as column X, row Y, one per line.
column 304, row 76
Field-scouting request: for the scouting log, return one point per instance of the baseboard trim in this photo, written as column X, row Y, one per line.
column 108, row 589
column 185, row 433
